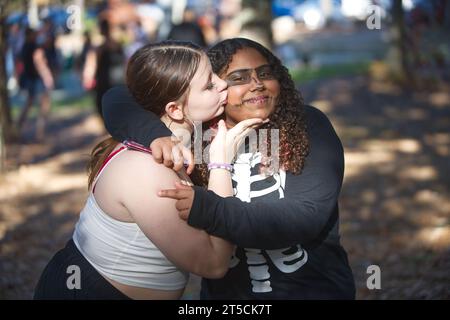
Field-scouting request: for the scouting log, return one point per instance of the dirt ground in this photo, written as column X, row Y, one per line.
column 394, row 205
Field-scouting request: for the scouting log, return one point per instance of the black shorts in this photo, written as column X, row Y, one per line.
column 58, row 281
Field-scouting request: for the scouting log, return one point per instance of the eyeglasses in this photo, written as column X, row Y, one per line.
column 244, row 76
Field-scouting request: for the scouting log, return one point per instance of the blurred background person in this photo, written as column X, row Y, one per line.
column 14, row 66
column 104, row 67
column 47, row 39
column 37, row 80
column 119, row 14
column 188, row 30
column 151, row 18
column 136, row 38
column 87, row 46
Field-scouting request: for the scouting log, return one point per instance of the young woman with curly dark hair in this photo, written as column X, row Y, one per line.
column 283, row 106
column 283, row 221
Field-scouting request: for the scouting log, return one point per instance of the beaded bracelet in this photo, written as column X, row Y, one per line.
column 214, row 165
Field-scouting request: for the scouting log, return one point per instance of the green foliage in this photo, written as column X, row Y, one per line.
column 323, row 72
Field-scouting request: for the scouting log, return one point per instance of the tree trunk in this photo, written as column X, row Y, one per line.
column 447, row 15
column 5, row 111
column 401, row 42
column 2, row 151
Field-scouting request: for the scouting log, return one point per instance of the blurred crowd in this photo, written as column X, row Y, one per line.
column 97, row 51
column 40, row 49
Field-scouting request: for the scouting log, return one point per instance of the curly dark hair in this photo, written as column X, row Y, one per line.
column 288, row 117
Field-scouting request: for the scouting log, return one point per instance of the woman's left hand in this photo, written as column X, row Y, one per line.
column 226, row 143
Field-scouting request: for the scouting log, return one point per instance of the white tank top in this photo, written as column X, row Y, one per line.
column 120, row 251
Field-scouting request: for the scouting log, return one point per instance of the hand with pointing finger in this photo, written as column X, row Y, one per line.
column 184, row 195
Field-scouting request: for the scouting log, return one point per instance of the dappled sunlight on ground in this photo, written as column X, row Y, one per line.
column 42, row 194
column 395, row 202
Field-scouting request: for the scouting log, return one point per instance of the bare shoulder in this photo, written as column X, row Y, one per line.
column 140, row 168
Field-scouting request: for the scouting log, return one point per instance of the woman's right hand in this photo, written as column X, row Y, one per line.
column 226, row 142
column 172, row 153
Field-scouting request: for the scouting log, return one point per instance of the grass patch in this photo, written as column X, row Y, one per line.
column 323, row 72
